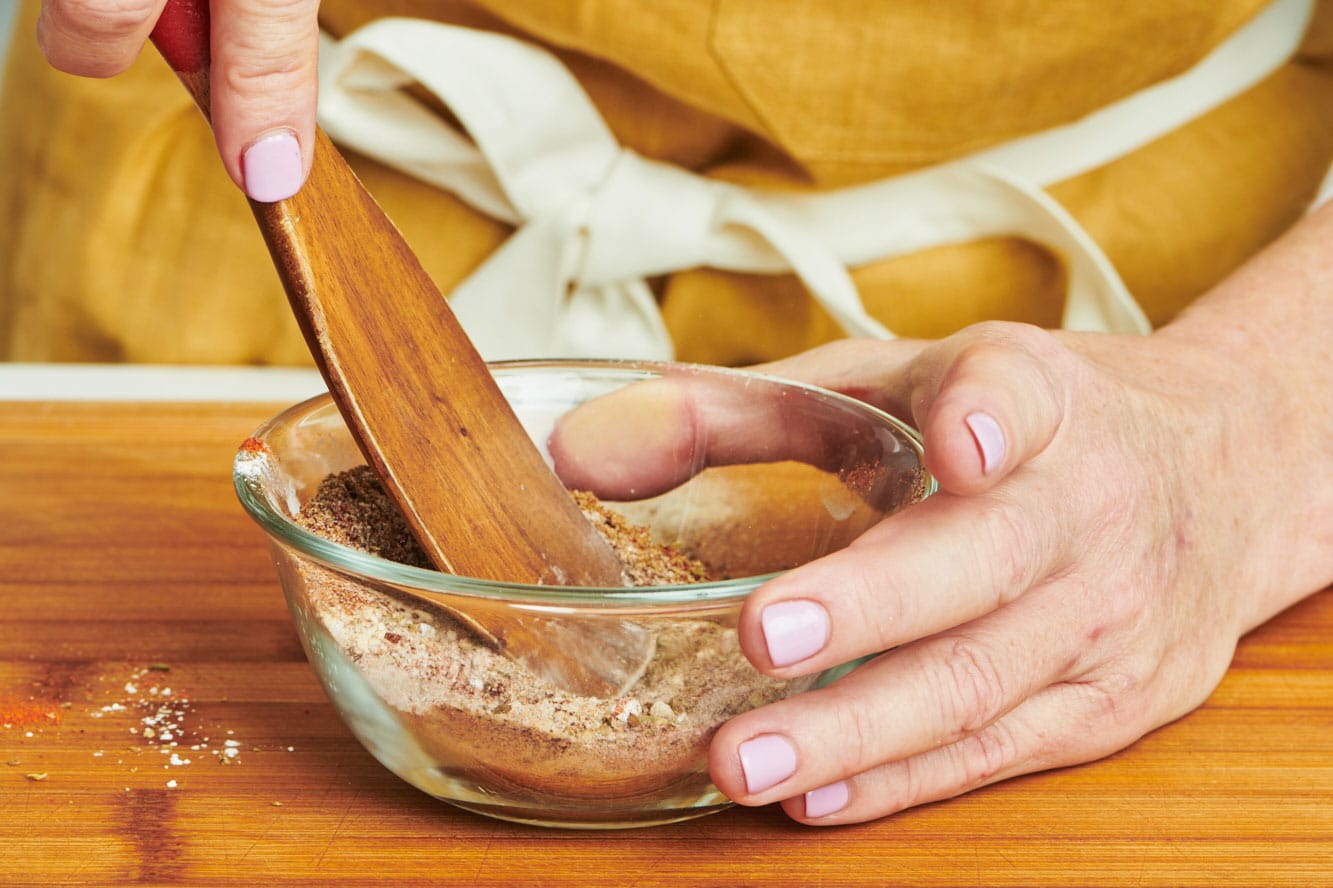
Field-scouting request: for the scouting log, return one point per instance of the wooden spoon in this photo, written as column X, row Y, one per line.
column 425, row 410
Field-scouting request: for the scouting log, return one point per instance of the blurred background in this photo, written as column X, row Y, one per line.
column 8, row 10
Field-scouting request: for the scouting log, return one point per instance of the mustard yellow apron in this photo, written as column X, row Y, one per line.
column 842, row 207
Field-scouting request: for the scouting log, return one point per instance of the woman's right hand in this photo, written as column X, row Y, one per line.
column 264, row 75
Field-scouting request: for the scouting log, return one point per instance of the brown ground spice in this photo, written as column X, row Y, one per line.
column 485, row 719
column 352, row 508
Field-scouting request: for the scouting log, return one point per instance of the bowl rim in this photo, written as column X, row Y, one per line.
column 282, row 530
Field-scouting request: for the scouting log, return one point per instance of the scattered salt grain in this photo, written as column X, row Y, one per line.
column 626, row 708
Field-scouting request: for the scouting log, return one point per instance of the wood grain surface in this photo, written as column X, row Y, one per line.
column 127, row 570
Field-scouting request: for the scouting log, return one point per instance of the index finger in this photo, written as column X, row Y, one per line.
column 264, row 81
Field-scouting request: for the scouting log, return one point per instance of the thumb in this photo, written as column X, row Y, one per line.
column 987, row 400
column 264, row 82
column 94, row 38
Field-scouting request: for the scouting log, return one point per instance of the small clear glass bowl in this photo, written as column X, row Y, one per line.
column 467, row 725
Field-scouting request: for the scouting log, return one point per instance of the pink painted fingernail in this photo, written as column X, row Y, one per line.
column 766, row 761
column 794, row 630
column 827, row 799
column 989, row 439
column 271, row 166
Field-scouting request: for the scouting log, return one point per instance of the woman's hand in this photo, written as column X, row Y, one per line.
column 1112, row 517
column 264, row 75
column 1078, row 581
column 1114, row 513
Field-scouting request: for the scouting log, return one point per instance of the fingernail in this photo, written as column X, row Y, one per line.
column 826, row 800
column 766, row 761
column 794, row 630
column 271, row 166
column 989, row 439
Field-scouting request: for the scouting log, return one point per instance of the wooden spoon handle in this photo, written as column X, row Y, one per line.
column 423, row 406
column 420, row 400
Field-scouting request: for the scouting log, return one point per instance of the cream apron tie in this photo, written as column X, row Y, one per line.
column 593, row 219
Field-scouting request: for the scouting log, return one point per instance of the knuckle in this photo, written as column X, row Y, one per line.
column 1021, row 348
column 1013, row 352
column 904, row 785
column 1027, row 355
column 982, row 346
column 1115, row 698
column 986, row 754
column 93, row 38
column 1009, row 335
column 273, row 58
column 880, row 614
column 279, row 11
column 1007, row 551
column 105, row 19
column 981, row 358
column 269, row 77
column 856, row 730
column 991, row 331
column 974, row 691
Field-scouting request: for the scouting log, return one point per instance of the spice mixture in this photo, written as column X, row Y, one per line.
column 484, row 717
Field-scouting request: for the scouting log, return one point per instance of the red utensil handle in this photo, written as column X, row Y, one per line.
column 181, row 35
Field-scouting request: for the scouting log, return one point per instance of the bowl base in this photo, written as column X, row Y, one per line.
column 585, row 820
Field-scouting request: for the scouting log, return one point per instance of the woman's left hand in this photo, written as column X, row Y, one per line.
column 1114, row 512
column 1081, row 578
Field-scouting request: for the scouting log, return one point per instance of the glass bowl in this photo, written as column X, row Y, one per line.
column 466, row 725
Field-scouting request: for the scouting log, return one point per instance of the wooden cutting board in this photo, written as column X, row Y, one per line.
column 133, row 587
